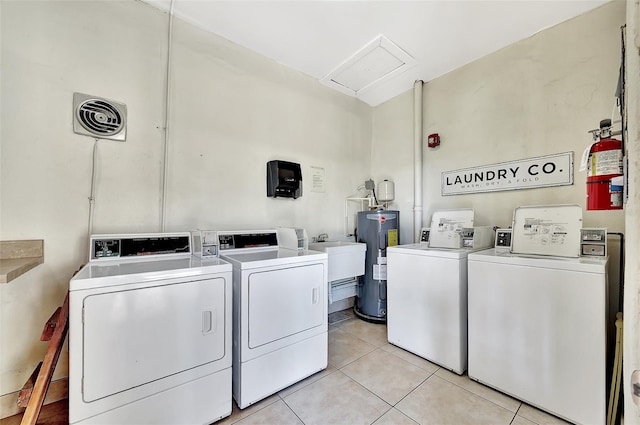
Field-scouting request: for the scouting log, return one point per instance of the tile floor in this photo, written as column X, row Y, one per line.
column 369, row 381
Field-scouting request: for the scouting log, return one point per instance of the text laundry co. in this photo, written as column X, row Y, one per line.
column 550, row 170
column 502, row 173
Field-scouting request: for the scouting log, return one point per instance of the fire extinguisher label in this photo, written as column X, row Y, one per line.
column 616, row 192
column 605, row 163
column 616, row 199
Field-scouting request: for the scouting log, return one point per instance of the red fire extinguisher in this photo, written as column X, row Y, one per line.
column 604, row 164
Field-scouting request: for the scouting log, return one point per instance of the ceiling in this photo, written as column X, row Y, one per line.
column 390, row 43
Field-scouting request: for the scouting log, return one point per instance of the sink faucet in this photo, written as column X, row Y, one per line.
column 322, row 237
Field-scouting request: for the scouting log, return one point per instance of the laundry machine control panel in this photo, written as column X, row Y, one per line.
column 251, row 239
column 503, row 239
column 205, row 243
column 424, row 235
column 477, row 237
column 593, row 242
column 104, row 247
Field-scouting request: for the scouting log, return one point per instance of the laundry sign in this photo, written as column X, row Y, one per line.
column 542, row 171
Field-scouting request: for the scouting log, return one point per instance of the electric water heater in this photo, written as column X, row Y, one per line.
column 379, row 230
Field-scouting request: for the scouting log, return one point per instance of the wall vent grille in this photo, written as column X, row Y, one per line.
column 99, row 118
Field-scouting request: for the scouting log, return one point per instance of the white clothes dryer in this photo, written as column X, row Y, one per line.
column 149, row 333
column 279, row 313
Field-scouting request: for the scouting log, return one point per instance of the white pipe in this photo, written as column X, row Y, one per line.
column 167, row 114
column 346, row 218
column 92, row 195
column 346, row 211
column 417, row 159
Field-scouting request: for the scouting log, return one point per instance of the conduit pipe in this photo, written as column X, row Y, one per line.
column 167, row 115
column 92, row 195
column 417, row 159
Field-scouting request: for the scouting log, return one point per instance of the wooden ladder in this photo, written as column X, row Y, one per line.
column 35, row 389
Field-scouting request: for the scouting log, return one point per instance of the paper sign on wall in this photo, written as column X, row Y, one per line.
column 317, row 179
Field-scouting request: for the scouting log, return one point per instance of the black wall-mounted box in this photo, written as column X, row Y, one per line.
column 284, row 179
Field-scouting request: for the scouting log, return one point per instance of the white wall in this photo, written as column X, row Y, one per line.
column 392, row 155
column 232, row 111
column 49, row 50
column 536, row 97
column 632, row 217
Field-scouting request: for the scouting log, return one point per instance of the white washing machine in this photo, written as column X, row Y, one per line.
column 537, row 324
column 427, row 289
column 149, row 333
column 427, row 303
column 279, row 313
column 537, row 331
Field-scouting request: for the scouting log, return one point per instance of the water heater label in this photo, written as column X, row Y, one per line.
column 382, row 260
column 380, row 272
column 392, row 237
column 377, row 217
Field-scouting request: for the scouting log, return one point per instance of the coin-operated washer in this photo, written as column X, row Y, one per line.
column 538, row 314
column 427, row 287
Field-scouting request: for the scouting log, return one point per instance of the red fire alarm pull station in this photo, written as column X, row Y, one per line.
column 433, row 140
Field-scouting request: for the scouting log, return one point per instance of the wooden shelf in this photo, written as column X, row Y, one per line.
column 18, row 257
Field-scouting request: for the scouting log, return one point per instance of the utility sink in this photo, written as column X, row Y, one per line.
column 346, row 259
